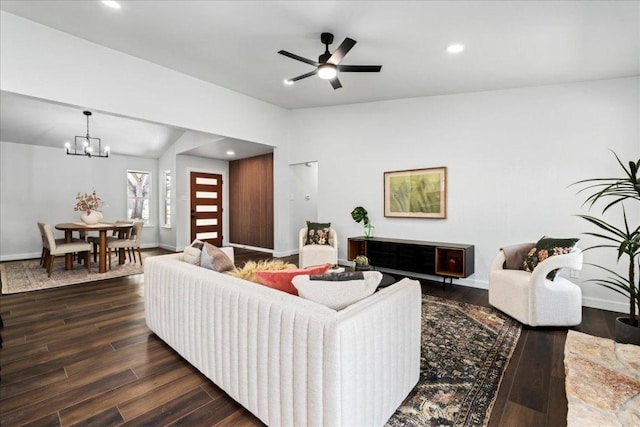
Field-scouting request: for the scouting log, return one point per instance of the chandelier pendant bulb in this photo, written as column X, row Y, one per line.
column 87, row 144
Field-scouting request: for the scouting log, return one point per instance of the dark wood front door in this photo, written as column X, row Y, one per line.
column 206, row 207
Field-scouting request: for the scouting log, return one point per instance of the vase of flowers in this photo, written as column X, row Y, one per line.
column 89, row 205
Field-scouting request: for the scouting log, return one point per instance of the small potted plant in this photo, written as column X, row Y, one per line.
column 362, row 263
column 624, row 240
column 360, row 214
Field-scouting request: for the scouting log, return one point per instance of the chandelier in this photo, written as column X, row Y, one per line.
column 86, row 145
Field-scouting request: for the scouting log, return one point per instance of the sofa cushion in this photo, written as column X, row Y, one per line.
column 338, row 291
column 545, row 248
column 317, row 233
column 281, row 280
column 215, row 259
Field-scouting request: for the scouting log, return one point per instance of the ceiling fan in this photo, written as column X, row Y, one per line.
column 328, row 63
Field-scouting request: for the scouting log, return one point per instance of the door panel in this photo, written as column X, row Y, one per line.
column 206, row 207
column 251, row 201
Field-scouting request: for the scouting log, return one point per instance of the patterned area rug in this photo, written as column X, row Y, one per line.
column 602, row 381
column 465, row 352
column 24, row 276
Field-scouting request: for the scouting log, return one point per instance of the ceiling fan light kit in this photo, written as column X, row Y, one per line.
column 327, row 71
column 328, row 63
column 85, row 145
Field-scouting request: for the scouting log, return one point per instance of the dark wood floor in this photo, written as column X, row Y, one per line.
column 82, row 355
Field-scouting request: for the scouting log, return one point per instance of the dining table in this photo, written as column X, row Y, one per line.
column 101, row 228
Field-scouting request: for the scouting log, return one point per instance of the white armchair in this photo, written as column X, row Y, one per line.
column 531, row 298
column 318, row 254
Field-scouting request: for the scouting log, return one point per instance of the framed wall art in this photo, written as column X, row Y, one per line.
column 416, row 193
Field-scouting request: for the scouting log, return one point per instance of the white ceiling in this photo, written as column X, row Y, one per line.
column 234, row 44
column 33, row 121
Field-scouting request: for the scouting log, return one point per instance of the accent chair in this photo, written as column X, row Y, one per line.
column 533, row 299
column 317, row 254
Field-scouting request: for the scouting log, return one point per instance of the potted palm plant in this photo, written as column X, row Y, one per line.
column 626, row 241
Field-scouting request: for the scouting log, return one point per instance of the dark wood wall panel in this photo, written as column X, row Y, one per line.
column 251, row 201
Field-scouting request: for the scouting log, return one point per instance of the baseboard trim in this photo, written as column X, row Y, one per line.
column 169, row 247
column 20, row 257
column 283, row 254
column 252, row 248
column 602, row 304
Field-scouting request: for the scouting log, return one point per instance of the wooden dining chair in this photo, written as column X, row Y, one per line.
column 44, row 256
column 114, row 236
column 56, row 248
column 130, row 244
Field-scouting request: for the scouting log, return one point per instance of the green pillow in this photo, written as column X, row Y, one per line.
column 546, row 247
column 317, row 233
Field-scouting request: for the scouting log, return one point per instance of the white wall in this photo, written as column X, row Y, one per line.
column 40, row 184
column 303, row 197
column 510, row 156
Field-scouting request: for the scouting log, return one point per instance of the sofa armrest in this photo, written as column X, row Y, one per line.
column 379, row 359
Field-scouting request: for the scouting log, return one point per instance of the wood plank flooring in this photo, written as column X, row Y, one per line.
column 82, row 355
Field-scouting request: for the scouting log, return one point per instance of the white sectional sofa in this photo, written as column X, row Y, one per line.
column 289, row 361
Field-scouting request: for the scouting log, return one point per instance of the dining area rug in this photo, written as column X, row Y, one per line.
column 28, row 275
column 602, row 381
column 465, row 352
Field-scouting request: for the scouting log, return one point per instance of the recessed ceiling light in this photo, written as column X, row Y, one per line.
column 231, row 153
column 455, row 48
column 288, row 82
column 112, row 4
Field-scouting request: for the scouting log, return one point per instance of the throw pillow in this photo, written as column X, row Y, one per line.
column 197, row 244
column 191, row 255
column 248, row 272
column 281, row 280
column 516, row 254
column 546, row 247
column 318, row 233
column 215, row 259
column 338, row 292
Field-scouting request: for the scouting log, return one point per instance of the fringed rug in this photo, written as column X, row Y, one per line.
column 602, row 381
column 28, row 275
column 465, row 352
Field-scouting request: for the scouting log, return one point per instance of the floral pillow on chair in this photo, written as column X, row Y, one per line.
column 318, row 233
column 546, row 247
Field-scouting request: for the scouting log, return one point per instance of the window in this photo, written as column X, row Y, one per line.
column 166, row 205
column 138, row 194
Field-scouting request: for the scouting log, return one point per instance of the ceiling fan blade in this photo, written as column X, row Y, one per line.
column 304, row 76
column 360, row 68
column 341, row 51
column 298, row 58
column 335, row 83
